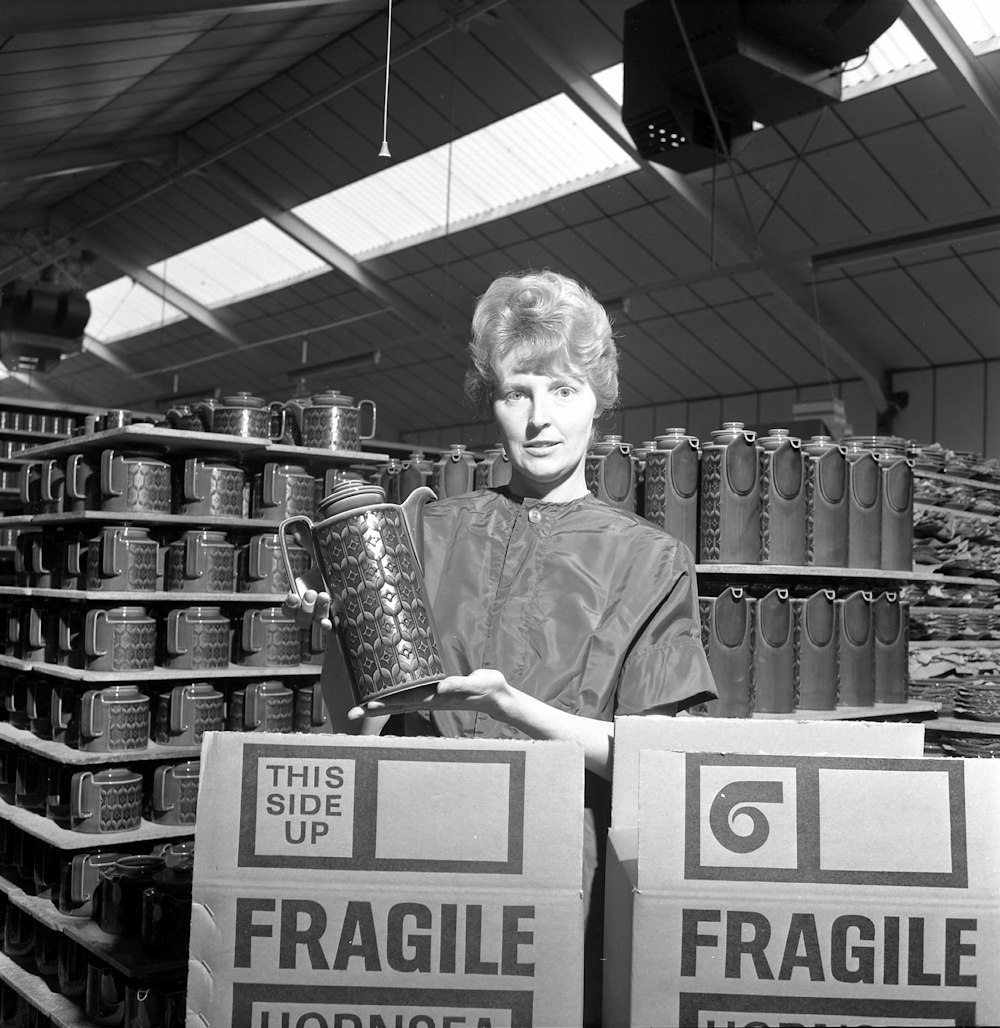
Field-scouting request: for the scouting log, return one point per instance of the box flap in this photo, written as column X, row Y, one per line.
column 752, row 735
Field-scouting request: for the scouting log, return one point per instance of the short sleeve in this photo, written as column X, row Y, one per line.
column 666, row 668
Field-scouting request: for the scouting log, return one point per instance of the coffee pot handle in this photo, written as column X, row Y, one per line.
column 160, row 789
column 89, row 714
column 371, row 434
column 283, row 543
column 76, row 794
column 178, row 695
column 90, row 632
column 112, row 565
column 248, row 636
column 413, row 515
column 191, row 493
column 173, row 640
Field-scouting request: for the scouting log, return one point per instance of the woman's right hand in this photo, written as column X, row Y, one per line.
column 309, row 603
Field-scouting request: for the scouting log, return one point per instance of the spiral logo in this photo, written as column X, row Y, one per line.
column 736, row 802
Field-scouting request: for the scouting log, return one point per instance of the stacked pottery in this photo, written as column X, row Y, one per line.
column 729, row 522
column 670, row 486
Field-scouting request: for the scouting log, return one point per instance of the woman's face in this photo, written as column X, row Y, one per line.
column 545, row 421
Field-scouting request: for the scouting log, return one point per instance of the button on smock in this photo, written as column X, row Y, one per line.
column 534, row 515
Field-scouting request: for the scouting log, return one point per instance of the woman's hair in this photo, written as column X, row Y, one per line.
column 547, row 322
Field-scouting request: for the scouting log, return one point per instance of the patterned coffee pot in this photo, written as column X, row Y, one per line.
column 328, row 421
column 369, row 553
column 242, row 414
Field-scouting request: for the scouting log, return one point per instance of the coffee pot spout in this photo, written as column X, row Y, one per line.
column 413, row 515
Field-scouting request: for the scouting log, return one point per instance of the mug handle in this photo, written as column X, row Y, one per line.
column 60, row 719
column 371, row 434
column 178, row 695
column 248, row 640
column 88, row 714
column 74, row 463
column 174, row 634
column 254, row 547
column 90, row 632
column 192, row 557
column 191, row 493
column 276, row 427
column 76, row 794
column 111, row 565
column 108, row 486
column 160, row 789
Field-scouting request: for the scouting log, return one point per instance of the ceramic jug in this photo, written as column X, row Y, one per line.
column 891, row 631
column 774, row 654
column 864, row 510
column 670, row 485
column 494, row 469
column 896, row 474
column 327, row 421
column 856, row 650
column 729, row 491
column 610, row 472
column 826, row 502
column 369, row 553
column 816, row 664
column 454, row 472
column 727, row 635
column 414, row 472
column 782, row 499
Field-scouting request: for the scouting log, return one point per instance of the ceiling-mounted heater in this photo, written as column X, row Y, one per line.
column 757, row 60
column 40, row 324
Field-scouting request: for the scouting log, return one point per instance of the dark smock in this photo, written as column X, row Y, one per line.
column 592, row 609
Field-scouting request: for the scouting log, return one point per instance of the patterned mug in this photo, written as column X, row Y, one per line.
column 106, row 801
column 197, row 637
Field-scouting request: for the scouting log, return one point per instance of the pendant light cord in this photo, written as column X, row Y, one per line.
column 384, row 149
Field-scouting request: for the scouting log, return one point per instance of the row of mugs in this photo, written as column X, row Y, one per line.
column 106, row 995
column 142, row 481
column 35, row 421
column 122, row 558
column 131, row 638
column 109, row 799
column 125, row 718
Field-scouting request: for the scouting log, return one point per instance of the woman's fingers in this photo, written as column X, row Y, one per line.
column 308, row 607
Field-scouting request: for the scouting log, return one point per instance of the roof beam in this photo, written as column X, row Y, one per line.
column 957, row 63
column 790, row 292
column 70, row 162
column 30, row 16
column 322, row 246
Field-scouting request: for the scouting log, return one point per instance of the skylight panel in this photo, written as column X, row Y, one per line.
column 248, row 261
column 977, row 22
column 531, row 157
column 895, row 53
column 123, row 308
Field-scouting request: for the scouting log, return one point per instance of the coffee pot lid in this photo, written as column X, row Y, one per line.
column 332, row 398
column 243, row 399
column 351, row 496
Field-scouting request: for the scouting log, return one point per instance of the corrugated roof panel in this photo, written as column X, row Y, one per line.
column 124, row 308
column 248, row 261
column 977, row 21
column 528, row 158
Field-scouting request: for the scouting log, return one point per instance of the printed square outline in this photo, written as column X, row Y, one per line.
column 809, row 870
column 366, row 760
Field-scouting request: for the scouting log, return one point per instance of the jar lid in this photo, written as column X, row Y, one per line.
column 243, row 399
column 332, row 398
column 351, row 496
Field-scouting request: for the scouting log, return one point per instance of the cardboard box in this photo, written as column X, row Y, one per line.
column 642, row 982
column 348, row 882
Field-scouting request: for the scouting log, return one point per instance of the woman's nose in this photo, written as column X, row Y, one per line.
column 540, row 415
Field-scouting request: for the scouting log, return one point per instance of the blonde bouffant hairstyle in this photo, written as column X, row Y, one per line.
column 548, row 322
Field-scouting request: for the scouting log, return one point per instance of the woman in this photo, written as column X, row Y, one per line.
column 556, row 611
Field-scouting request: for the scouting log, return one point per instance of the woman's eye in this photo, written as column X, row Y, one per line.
column 512, row 395
column 566, row 391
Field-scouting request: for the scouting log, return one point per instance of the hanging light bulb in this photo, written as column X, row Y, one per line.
column 384, row 149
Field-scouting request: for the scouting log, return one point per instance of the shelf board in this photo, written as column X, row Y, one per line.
column 57, row 751
column 62, row 1011
column 953, row 644
column 161, row 519
column 812, row 571
column 177, row 596
column 957, row 513
column 41, row 827
column 971, row 483
column 158, row 674
column 879, row 712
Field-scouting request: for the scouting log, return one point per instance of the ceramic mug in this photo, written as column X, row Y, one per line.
column 79, row 881
column 201, row 561
column 119, row 639
column 75, row 553
column 31, row 783
column 34, row 635
column 154, row 1004
column 211, row 487
column 64, row 712
column 105, row 801
column 104, row 997
column 123, row 558
column 82, row 484
column 261, row 569
column 122, row 886
column 166, row 912
column 310, row 711
column 69, row 628
column 184, row 713
column 71, row 969
column 46, row 949
column 197, row 637
column 18, row 932
column 269, row 638
column 43, row 559
column 135, row 481
column 42, row 487
column 45, row 871
column 38, row 706
column 265, row 706
column 114, row 719
column 174, row 798
column 281, row 491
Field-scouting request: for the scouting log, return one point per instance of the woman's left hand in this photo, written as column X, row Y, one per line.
column 484, row 690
